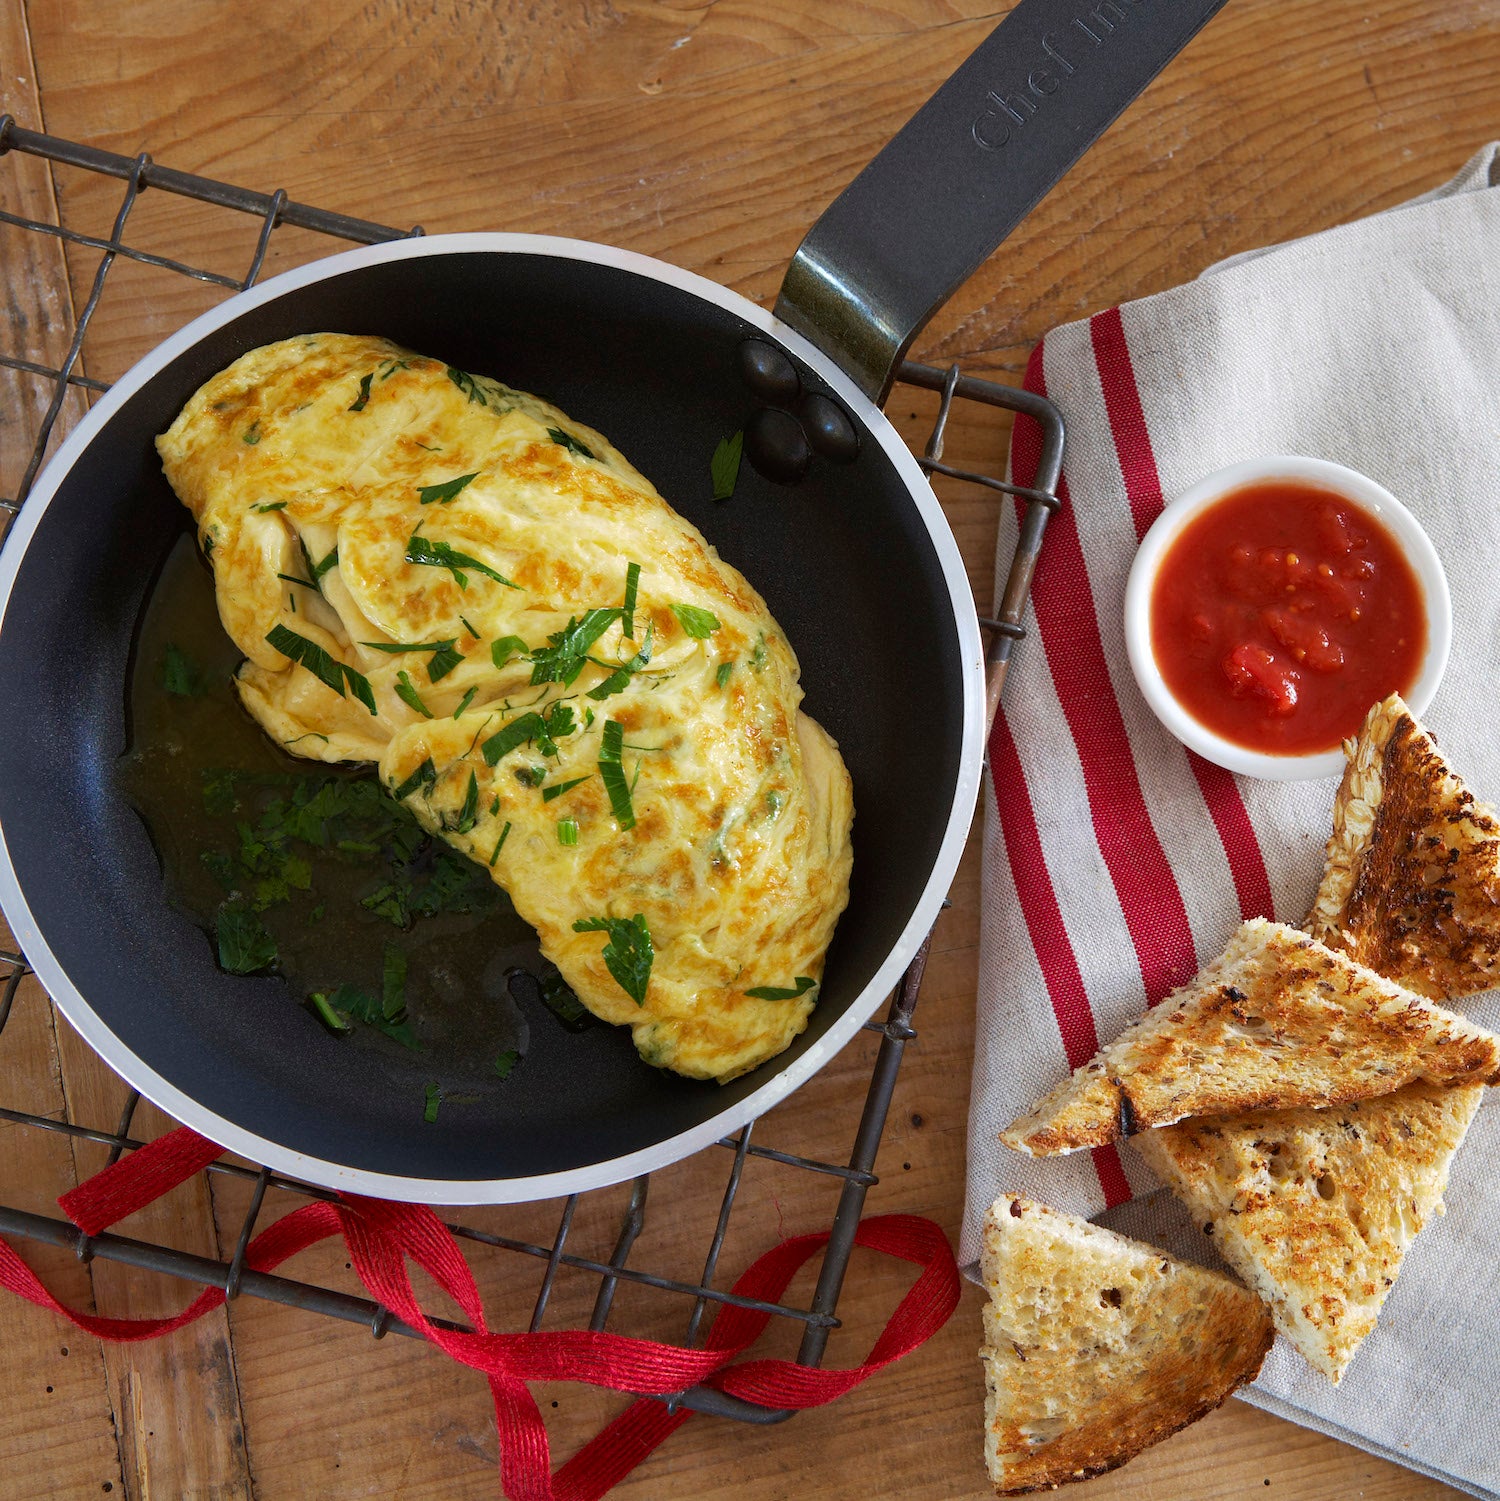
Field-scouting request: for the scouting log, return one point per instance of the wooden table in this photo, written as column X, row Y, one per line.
column 710, row 134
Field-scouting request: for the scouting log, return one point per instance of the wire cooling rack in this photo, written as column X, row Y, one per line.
column 58, row 378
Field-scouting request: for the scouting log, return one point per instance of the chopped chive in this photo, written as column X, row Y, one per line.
column 567, row 831
column 612, row 774
column 469, row 628
column 465, row 701
column 632, row 585
column 500, row 842
column 568, row 441
column 326, row 1014
column 424, row 776
column 470, row 810
column 778, row 993
column 292, row 579
column 548, row 793
column 331, row 561
column 358, row 404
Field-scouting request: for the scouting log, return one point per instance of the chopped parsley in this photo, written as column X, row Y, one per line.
column 620, row 678
column 330, row 672
column 425, row 776
column 358, row 404
column 789, row 993
column 506, row 1062
column 724, row 467
column 628, row 954
column 446, row 491
column 568, row 441
column 465, row 701
column 722, row 675
column 440, row 555
column 632, row 587
column 470, row 810
column 505, row 648
column 612, row 774
column 563, row 659
column 244, row 945
column 180, row 675
column 567, row 831
column 699, row 624
column 409, row 695
column 548, row 793
column 434, row 1097
column 467, row 384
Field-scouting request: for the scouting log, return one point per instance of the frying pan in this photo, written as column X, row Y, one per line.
column 854, row 559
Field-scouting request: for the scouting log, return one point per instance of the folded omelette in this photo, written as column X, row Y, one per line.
column 554, row 671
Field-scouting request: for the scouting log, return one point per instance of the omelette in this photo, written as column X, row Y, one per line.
column 555, row 672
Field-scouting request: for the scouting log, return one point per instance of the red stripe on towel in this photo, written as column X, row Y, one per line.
column 1132, row 439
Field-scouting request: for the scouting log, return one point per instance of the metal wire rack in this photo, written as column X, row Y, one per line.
column 855, row 1176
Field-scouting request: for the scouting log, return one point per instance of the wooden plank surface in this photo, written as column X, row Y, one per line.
column 711, row 135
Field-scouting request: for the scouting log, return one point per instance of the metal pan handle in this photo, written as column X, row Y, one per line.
column 968, row 167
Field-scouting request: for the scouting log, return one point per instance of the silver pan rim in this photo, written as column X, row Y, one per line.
column 338, row 1176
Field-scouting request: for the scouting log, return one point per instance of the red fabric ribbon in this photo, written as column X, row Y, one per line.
column 383, row 1238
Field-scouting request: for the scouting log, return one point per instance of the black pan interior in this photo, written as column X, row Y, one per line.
column 842, row 558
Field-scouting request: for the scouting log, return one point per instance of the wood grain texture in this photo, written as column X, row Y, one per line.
column 710, row 134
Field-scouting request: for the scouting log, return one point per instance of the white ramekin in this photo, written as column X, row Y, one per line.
column 1320, row 474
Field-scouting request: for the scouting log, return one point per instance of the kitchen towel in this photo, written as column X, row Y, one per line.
column 1116, row 862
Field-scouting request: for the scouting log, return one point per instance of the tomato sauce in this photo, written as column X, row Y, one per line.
column 1283, row 612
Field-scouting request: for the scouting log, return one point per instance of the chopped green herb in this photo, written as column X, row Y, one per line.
column 467, row 384
column 520, row 731
column 408, row 695
column 433, row 1100
column 568, row 441
column 331, row 561
column 505, row 648
column 775, row 993
column 559, row 999
column 446, row 491
column 567, row 831
column 506, row 1062
column 359, row 1005
column 722, row 675
column 252, row 433
column 548, row 793
column 612, row 774
column 563, row 660
column 293, row 579
column 530, row 776
column 758, row 656
column 724, row 467
column 495, row 805
column 326, row 1014
column 331, row 673
column 627, row 955
column 181, row 676
column 439, row 555
column 208, row 544
column 465, row 701
column 470, row 810
column 632, row 587
column 699, row 624
column 620, row 678
column 424, row 776
column 244, row 944
column 444, row 660
column 500, row 842
column 395, row 648
column 358, row 404
column 274, row 505
column 393, row 983
column 389, row 367
column 469, row 628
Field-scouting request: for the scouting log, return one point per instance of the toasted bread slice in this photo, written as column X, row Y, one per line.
column 1096, row 1347
column 1277, row 1020
column 1411, row 879
column 1315, row 1209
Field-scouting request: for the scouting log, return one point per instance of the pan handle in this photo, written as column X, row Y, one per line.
column 930, row 209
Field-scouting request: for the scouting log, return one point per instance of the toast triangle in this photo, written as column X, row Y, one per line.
column 1316, row 1209
column 1277, row 1021
column 1096, row 1346
column 1411, row 879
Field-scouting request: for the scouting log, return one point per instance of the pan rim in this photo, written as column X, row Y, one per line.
column 333, row 1175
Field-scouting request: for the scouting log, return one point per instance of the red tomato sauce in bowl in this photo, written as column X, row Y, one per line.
column 1284, row 611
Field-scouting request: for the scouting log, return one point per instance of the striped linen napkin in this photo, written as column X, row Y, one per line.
column 1116, row 862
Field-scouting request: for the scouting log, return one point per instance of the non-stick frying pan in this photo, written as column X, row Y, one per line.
column 854, row 559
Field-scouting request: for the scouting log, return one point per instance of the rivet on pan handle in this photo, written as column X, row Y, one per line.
column 968, row 167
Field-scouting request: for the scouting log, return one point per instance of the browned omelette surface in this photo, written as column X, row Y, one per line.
column 355, row 496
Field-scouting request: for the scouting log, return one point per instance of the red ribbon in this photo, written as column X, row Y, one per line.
column 383, row 1238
